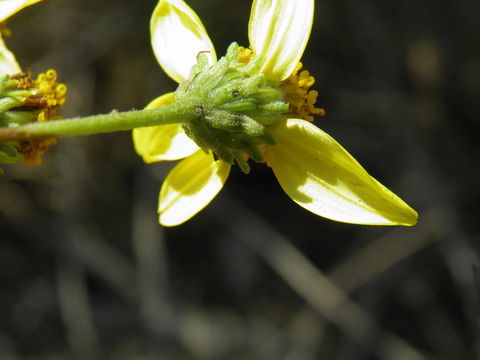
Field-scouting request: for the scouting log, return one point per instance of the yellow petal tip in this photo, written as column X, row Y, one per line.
column 411, row 218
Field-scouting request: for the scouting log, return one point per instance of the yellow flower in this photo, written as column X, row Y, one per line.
column 311, row 167
column 8, row 64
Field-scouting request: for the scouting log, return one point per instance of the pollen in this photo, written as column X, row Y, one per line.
column 300, row 98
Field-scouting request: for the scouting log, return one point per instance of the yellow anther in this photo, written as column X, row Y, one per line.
column 52, row 94
column 51, row 75
column 300, row 98
column 61, row 90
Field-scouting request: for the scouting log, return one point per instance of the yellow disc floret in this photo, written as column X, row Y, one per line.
column 52, row 94
column 45, row 97
column 300, row 98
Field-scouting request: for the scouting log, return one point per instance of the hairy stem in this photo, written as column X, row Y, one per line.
column 178, row 112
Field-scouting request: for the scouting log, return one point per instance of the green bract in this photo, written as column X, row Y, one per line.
column 235, row 103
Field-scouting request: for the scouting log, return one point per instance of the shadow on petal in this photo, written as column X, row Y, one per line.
column 165, row 142
column 190, row 186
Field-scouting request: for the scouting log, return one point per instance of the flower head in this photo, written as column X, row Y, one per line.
column 24, row 98
column 312, row 168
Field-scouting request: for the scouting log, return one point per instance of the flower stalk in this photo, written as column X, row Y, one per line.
column 178, row 112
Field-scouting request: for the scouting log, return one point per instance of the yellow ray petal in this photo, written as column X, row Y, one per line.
column 8, row 64
column 190, row 186
column 178, row 35
column 10, row 7
column 166, row 142
column 279, row 30
column 320, row 175
column 160, row 143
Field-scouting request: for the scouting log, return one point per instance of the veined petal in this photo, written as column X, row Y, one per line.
column 320, row 175
column 8, row 64
column 10, row 7
column 165, row 142
column 278, row 31
column 178, row 35
column 190, row 186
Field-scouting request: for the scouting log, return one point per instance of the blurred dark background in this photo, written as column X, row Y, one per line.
column 87, row 273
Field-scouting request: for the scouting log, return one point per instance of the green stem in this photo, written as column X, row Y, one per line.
column 178, row 112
